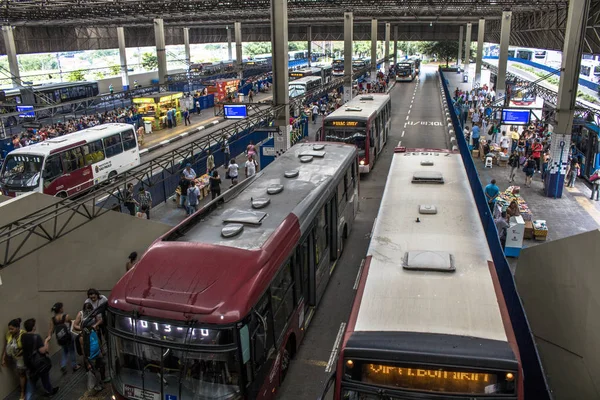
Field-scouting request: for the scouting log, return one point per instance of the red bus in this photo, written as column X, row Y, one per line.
column 217, row 307
column 68, row 165
column 429, row 320
column 365, row 122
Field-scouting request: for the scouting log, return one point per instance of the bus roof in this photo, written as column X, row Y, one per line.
column 360, row 107
column 50, row 146
column 305, row 79
column 396, row 299
column 194, row 270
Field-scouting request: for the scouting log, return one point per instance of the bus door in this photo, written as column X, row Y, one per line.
column 322, row 232
column 371, row 142
column 304, row 273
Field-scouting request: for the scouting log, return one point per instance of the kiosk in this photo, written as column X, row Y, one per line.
column 154, row 108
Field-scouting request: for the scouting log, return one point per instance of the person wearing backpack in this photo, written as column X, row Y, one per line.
column 35, row 355
column 60, row 325
column 13, row 353
column 192, row 197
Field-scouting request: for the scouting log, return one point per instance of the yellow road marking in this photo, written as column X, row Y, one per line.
column 316, row 363
column 589, row 207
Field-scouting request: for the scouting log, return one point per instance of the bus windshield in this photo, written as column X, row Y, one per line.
column 21, row 171
column 357, row 137
column 296, row 90
column 140, row 370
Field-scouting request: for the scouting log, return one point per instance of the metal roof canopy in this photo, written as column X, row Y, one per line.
column 132, row 12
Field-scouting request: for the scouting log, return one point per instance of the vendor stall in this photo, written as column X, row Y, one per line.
column 156, row 108
column 224, row 88
column 203, row 185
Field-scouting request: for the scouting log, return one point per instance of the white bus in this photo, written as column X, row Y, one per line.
column 70, row 164
column 303, row 85
column 429, row 319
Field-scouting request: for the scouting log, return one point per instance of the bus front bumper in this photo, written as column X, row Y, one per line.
column 364, row 169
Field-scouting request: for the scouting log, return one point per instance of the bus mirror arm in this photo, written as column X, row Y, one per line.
column 328, row 386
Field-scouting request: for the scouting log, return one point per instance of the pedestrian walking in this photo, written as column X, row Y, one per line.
column 35, row 355
column 192, row 197
column 574, row 172
column 595, row 179
column 251, row 96
column 60, row 325
column 251, row 150
column 529, row 170
column 315, row 112
column 215, row 185
column 145, row 201
column 184, row 184
column 210, row 162
column 130, row 202
column 131, row 260
column 513, row 162
column 198, row 106
column 250, row 167
column 12, row 355
column 186, row 117
column 232, row 172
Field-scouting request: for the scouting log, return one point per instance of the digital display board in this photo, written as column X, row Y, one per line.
column 235, row 111
column 515, row 117
column 26, row 111
column 438, row 380
column 348, row 124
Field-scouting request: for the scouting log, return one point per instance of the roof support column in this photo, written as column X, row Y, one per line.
column 237, row 27
column 460, row 45
column 373, row 50
column 387, row 47
column 161, row 54
column 468, row 50
column 186, row 44
column 11, row 52
column 480, row 35
column 279, row 46
column 348, row 48
column 567, row 95
column 123, row 57
column 229, row 51
column 395, row 45
column 503, row 55
column 309, row 39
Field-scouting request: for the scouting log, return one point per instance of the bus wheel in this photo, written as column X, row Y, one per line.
column 288, row 354
column 62, row 195
column 111, row 177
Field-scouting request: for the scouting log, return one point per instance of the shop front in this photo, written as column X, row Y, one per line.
column 161, row 110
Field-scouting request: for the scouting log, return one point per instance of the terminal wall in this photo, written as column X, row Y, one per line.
column 558, row 283
column 93, row 255
column 144, row 79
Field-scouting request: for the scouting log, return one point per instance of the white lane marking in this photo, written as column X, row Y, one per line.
column 216, row 122
column 357, row 281
column 399, row 143
column 336, row 348
column 409, row 109
column 184, row 134
column 407, row 117
column 402, row 131
column 143, row 151
column 164, row 142
column 405, row 124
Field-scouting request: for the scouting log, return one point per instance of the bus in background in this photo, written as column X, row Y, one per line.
column 417, row 61
column 70, row 164
column 304, row 72
column 338, row 67
column 326, row 74
column 586, row 143
column 405, row 71
column 228, row 327
column 364, row 122
column 429, row 320
column 358, row 64
column 590, row 70
column 266, row 58
column 303, row 85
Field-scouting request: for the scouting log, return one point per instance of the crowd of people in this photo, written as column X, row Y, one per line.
column 81, row 337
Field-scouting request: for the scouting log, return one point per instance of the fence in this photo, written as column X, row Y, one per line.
column 536, row 386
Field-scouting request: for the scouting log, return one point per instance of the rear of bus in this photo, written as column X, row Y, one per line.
column 338, row 67
column 405, row 72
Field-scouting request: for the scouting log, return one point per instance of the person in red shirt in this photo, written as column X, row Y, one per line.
column 536, row 152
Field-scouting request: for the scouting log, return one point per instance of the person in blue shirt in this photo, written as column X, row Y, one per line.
column 475, row 136
column 491, row 193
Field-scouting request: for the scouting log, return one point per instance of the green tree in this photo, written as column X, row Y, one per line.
column 114, row 70
column 254, row 48
column 445, row 50
column 76, row 76
column 149, row 61
column 295, row 46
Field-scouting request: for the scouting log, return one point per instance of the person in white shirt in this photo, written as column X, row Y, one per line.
column 504, row 142
column 232, row 171
column 315, row 112
column 250, row 167
column 189, row 173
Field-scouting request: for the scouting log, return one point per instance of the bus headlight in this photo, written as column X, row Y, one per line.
column 509, row 376
column 362, row 162
column 350, row 364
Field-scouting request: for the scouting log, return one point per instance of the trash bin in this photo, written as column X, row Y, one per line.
column 148, row 127
column 241, row 97
column 465, row 78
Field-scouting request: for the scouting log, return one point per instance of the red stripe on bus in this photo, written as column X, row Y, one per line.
column 508, row 328
column 77, row 144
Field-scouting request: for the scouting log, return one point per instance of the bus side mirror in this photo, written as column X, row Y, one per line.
column 328, row 386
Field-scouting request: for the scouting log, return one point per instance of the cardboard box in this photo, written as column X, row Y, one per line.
column 475, row 153
column 528, row 230
column 502, row 163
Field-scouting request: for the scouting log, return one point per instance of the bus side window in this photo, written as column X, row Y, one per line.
column 69, row 161
column 129, row 141
column 52, row 169
column 354, row 168
column 113, row 145
column 96, row 152
column 282, row 298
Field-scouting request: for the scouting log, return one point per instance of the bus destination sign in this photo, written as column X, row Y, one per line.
column 349, row 124
column 436, row 380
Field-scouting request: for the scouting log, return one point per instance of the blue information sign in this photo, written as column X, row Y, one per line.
column 170, row 397
column 235, row 111
column 26, row 111
column 515, row 117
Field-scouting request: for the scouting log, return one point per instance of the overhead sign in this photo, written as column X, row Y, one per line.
column 235, row 111
column 515, row 117
column 26, row 111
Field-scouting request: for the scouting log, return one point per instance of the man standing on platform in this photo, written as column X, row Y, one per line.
column 491, row 193
column 475, row 136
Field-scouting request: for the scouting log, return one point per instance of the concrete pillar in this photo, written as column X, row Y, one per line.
column 567, row 94
column 480, row 35
column 395, row 45
column 279, row 45
column 348, row 48
column 309, row 39
column 11, row 52
column 186, row 44
column 373, row 50
column 460, row 45
column 387, row 47
column 229, row 52
column 468, row 49
column 238, row 48
column 503, row 55
column 123, row 57
column 161, row 55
